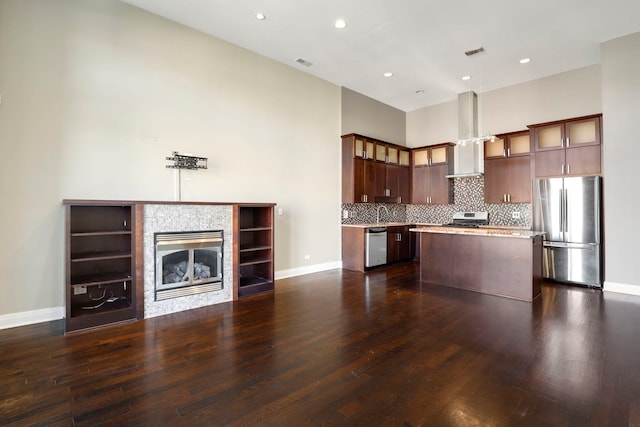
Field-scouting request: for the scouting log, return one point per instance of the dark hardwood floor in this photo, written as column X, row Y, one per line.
column 339, row 348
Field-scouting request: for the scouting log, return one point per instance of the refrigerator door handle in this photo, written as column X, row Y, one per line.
column 569, row 245
column 566, row 213
column 561, row 211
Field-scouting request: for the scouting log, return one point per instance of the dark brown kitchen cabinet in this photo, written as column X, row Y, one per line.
column 398, row 183
column 373, row 171
column 100, row 264
column 507, row 169
column 569, row 147
column 400, row 243
column 431, row 165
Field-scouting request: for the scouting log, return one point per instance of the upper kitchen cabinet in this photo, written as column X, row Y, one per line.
column 374, row 170
column 569, row 147
column 431, row 165
column 507, row 169
column 362, row 148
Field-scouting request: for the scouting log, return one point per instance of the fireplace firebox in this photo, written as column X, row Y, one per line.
column 188, row 263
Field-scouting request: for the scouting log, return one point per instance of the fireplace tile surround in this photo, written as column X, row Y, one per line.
column 160, row 218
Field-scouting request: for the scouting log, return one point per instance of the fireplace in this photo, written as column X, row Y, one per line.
column 188, row 263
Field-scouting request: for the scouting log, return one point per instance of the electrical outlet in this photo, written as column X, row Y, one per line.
column 515, row 215
column 307, row 257
column 345, row 214
column 79, row 290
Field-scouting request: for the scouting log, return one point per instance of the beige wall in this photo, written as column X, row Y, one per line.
column 571, row 94
column 366, row 116
column 96, row 93
column 620, row 100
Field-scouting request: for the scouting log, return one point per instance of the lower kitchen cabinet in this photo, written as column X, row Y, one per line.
column 399, row 243
column 400, row 246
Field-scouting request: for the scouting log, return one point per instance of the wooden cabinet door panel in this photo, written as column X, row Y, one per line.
column 495, row 180
column 392, row 244
column 549, row 163
column 583, row 160
column 399, row 182
column 583, row 132
column 519, row 179
column 404, row 184
column 359, row 179
column 420, row 185
column 549, row 137
column 440, row 184
column 406, row 244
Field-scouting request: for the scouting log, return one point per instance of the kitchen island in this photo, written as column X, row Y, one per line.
column 495, row 261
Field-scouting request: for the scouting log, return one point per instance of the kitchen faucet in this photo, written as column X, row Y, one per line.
column 378, row 213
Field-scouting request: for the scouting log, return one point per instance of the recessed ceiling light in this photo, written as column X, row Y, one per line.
column 340, row 24
column 260, row 16
column 465, row 78
column 525, row 60
column 388, row 74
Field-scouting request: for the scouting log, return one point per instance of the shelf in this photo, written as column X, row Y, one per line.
column 242, row 230
column 255, row 261
column 98, row 256
column 254, row 248
column 107, row 307
column 101, row 233
column 247, row 281
column 100, row 279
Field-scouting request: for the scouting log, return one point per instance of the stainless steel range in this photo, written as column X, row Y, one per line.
column 468, row 219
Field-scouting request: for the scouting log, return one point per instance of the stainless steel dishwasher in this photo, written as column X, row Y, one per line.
column 376, row 246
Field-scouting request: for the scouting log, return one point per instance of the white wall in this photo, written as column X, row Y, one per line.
column 620, row 100
column 96, row 93
column 366, row 116
column 570, row 94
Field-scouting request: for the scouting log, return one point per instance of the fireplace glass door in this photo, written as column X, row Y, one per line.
column 188, row 263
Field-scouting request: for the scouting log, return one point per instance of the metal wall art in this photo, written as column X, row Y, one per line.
column 181, row 161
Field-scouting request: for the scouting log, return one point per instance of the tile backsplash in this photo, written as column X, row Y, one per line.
column 468, row 196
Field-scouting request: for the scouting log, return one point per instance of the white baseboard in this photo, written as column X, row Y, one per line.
column 621, row 288
column 30, row 317
column 283, row 274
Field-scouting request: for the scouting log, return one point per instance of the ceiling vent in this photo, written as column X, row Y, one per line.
column 304, row 62
column 474, row 51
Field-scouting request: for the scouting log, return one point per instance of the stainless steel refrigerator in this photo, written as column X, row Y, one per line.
column 569, row 211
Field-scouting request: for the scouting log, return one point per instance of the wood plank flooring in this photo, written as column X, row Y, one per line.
column 339, row 348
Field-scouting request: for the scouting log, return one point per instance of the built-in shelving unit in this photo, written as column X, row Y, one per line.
column 100, row 265
column 255, row 249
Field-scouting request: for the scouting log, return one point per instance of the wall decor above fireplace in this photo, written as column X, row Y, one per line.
column 183, row 161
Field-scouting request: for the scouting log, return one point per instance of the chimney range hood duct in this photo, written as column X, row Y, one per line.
column 469, row 149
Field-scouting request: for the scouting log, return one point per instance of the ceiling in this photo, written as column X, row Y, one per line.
column 422, row 42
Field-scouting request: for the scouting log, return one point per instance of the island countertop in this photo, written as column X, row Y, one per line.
column 482, row 231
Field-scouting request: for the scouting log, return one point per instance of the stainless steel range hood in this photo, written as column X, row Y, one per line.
column 469, row 149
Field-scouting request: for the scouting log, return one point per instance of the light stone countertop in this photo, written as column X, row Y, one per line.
column 488, row 231
column 389, row 224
